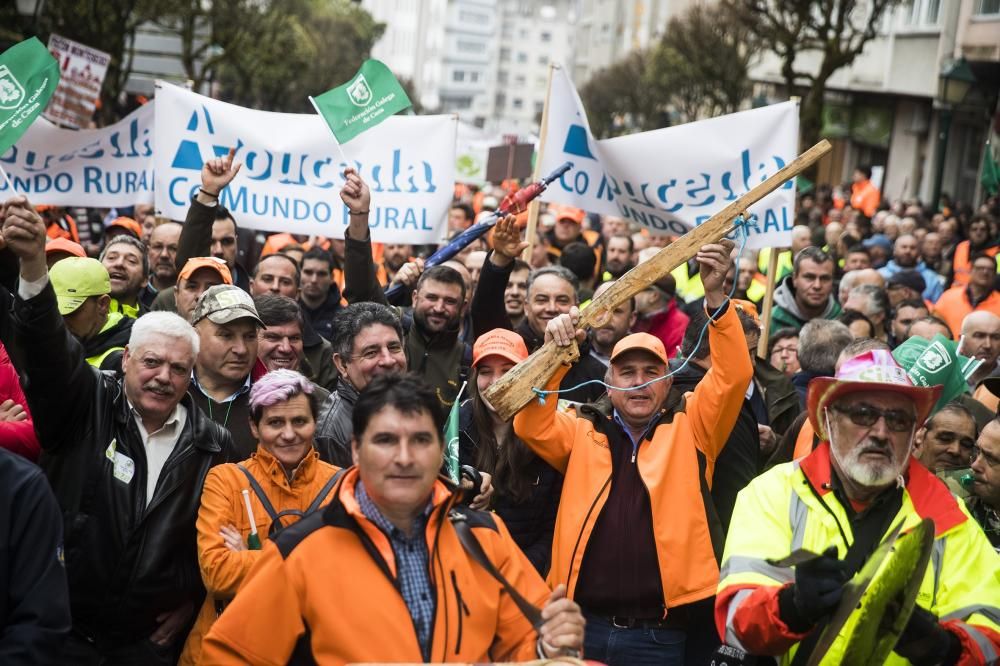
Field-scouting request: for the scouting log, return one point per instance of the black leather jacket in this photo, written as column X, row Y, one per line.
column 127, row 560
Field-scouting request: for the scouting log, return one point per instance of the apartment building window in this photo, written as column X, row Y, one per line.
column 500, row 100
column 546, row 36
column 470, row 47
column 502, row 76
column 543, row 60
column 472, row 17
column 474, row 77
column 520, row 80
column 458, row 76
column 518, row 103
column 539, row 107
column 921, row 12
column 988, row 8
column 522, row 56
column 504, row 55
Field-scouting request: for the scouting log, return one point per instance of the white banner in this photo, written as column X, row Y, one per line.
column 81, row 73
column 670, row 180
column 291, row 175
column 105, row 168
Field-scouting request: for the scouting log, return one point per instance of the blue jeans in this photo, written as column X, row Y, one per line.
column 616, row 646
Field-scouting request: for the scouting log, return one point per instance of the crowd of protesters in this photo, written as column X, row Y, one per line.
column 214, row 453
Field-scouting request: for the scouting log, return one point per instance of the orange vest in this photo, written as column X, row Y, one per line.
column 54, row 230
column 962, row 266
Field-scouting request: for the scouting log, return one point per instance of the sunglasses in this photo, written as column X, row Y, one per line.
column 867, row 416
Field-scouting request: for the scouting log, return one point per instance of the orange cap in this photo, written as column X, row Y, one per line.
column 643, row 341
column 217, row 265
column 499, row 342
column 129, row 225
column 747, row 307
column 65, row 245
column 576, row 215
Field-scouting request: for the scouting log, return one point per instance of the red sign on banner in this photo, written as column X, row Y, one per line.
column 82, row 71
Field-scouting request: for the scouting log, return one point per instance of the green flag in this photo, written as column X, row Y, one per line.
column 370, row 97
column 991, row 171
column 451, row 438
column 28, row 77
column 937, row 361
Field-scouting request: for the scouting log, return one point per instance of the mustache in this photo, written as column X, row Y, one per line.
column 159, row 388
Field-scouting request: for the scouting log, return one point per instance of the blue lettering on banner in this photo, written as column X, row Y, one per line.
column 672, row 195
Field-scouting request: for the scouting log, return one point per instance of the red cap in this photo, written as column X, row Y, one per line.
column 644, row 341
column 65, row 245
column 576, row 215
column 129, row 225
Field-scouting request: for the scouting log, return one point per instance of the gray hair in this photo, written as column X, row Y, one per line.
column 558, row 271
column 820, row 343
column 876, row 297
column 125, row 239
column 163, row 324
column 356, row 317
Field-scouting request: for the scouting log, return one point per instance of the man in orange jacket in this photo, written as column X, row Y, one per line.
column 380, row 575
column 636, row 536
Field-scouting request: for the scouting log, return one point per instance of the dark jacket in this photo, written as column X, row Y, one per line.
column 321, row 318
column 127, row 560
column 114, row 335
column 441, row 358
column 317, row 355
column 779, row 394
column 334, row 427
column 487, row 310
column 739, row 462
column 532, row 521
column 34, row 617
column 196, row 241
column 800, row 380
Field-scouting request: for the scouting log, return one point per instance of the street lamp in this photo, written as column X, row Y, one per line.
column 954, row 84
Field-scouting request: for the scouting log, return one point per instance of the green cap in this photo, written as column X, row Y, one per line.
column 937, row 361
column 224, row 303
column 75, row 279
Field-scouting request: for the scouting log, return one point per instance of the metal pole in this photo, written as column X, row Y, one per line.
column 944, row 129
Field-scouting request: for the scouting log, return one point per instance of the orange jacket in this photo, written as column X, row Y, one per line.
column 334, row 575
column 222, row 569
column 961, row 265
column 954, row 305
column 865, row 197
column 668, row 464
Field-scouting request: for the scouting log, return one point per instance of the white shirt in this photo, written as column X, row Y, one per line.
column 160, row 444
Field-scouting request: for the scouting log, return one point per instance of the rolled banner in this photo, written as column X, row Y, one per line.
column 512, row 204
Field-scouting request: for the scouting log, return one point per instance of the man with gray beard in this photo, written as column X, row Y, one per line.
column 841, row 501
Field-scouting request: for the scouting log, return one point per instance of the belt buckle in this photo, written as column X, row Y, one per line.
column 623, row 622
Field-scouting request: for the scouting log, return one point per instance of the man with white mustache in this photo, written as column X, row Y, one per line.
column 840, row 500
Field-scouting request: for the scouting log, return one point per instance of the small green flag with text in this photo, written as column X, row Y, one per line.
column 991, row 170
column 28, row 77
column 370, row 97
column 451, row 435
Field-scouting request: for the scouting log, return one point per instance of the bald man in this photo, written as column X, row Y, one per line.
column 981, row 340
column 801, row 238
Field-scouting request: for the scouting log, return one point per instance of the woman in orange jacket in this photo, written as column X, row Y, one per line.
column 285, row 477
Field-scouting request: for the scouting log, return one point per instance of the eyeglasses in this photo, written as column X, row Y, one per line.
column 990, row 459
column 867, row 416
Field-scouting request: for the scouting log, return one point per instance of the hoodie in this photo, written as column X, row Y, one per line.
column 786, row 311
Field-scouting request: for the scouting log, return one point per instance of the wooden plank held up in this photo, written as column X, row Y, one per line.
column 515, row 389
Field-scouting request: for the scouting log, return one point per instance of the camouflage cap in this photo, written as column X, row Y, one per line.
column 224, row 303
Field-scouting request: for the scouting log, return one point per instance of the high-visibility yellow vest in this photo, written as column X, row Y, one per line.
column 778, row 513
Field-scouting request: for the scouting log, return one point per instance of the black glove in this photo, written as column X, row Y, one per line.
column 818, row 586
column 924, row 641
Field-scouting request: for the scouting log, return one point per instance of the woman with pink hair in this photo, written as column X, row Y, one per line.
column 243, row 504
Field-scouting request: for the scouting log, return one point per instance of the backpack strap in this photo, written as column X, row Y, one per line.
column 259, row 492
column 277, row 526
column 475, row 550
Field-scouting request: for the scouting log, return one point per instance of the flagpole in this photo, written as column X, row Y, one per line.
column 772, row 270
column 530, row 231
column 10, row 183
column 340, row 148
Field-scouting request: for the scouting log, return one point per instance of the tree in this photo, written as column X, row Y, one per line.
column 837, row 29
column 297, row 48
column 620, row 98
column 701, row 64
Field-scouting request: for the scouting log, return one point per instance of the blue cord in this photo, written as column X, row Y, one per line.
column 742, row 224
